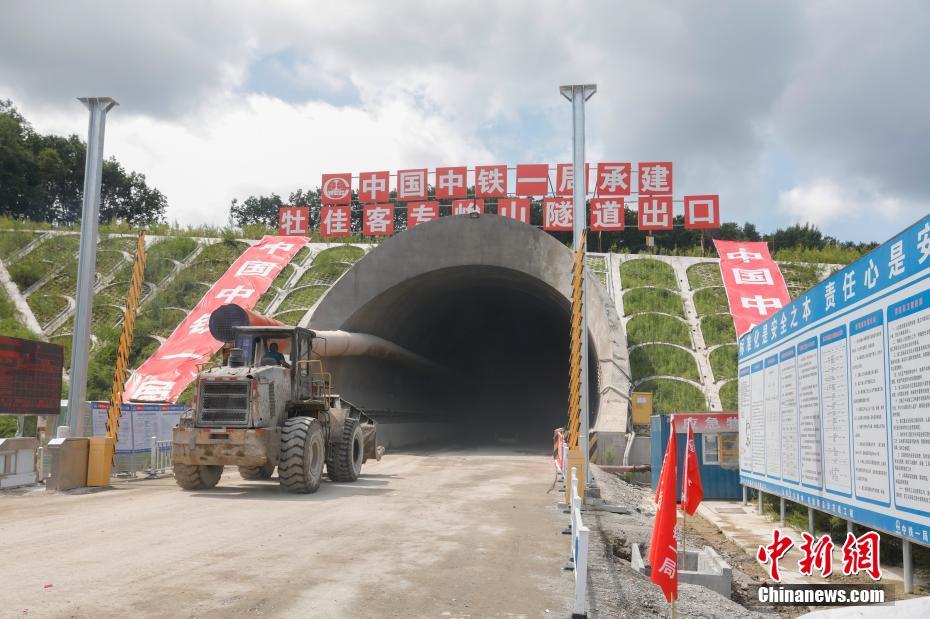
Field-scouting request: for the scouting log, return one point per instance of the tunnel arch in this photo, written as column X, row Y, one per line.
column 487, row 299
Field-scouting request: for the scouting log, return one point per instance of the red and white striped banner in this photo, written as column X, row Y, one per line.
column 171, row 369
column 754, row 284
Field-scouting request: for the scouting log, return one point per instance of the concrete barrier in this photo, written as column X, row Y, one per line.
column 17, row 461
column 701, row 567
column 579, row 559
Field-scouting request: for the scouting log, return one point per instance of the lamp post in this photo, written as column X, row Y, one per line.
column 578, row 94
column 87, row 256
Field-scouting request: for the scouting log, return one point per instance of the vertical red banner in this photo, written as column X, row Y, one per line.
column 755, row 286
column 165, row 375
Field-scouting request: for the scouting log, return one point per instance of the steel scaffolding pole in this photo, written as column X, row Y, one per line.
column 87, row 256
column 578, row 94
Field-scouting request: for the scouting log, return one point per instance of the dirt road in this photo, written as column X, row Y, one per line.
column 445, row 533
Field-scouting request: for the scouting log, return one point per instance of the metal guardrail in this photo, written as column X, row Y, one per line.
column 579, row 561
column 159, row 457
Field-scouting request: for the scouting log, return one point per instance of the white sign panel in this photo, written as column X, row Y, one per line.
column 138, row 424
column 834, row 397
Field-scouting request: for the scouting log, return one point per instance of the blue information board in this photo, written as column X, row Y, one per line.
column 834, row 392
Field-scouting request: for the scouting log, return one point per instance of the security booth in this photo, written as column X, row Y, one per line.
column 716, row 439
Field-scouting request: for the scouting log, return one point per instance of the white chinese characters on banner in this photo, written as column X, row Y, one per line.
column 153, row 390
column 607, row 214
column 378, row 220
column 491, row 181
column 421, row 213
column 335, row 221
column 373, row 187
column 702, row 212
column 168, row 372
column 754, row 285
column 752, row 276
column 201, row 325
column 293, row 220
column 273, row 248
column 655, row 212
column 655, row 177
column 411, row 184
column 565, row 180
column 558, row 214
column 514, row 208
column 532, row 179
column 230, row 295
column 467, row 207
column 613, row 179
column 763, row 305
column 450, row 182
column 256, row 267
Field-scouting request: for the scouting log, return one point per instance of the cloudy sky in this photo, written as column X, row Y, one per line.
column 815, row 111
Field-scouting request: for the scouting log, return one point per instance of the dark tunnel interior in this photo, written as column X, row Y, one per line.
column 500, row 340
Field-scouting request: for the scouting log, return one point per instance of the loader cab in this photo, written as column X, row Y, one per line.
column 290, row 348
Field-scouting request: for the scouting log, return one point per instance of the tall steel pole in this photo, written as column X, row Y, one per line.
column 87, row 256
column 578, row 94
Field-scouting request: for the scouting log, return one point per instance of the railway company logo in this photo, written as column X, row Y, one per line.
column 337, row 189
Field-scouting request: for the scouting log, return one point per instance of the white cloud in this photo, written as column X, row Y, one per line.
column 854, row 210
column 756, row 101
column 259, row 144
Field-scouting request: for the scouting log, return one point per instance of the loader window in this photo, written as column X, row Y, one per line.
column 273, row 356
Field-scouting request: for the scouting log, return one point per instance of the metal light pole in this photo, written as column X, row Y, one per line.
column 87, row 256
column 578, row 94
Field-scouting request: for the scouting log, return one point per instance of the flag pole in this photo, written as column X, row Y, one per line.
column 684, row 517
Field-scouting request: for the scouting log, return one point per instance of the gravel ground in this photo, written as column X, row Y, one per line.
column 617, row 590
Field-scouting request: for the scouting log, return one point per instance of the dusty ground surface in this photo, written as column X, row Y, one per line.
column 444, row 533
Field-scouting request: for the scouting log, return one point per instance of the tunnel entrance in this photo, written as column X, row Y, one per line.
column 486, row 300
column 500, row 340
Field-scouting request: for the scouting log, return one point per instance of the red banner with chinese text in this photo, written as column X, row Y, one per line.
column 755, row 286
column 170, row 370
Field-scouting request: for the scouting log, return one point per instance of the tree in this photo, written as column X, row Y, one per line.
column 42, row 179
column 256, row 210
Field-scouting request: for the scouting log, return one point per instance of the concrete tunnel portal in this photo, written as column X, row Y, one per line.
column 487, row 301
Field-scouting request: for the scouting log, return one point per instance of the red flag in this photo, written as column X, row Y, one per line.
column 663, row 549
column 692, row 493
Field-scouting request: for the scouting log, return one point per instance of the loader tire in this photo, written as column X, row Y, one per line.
column 257, row 472
column 303, row 451
column 345, row 462
column 197, row 477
